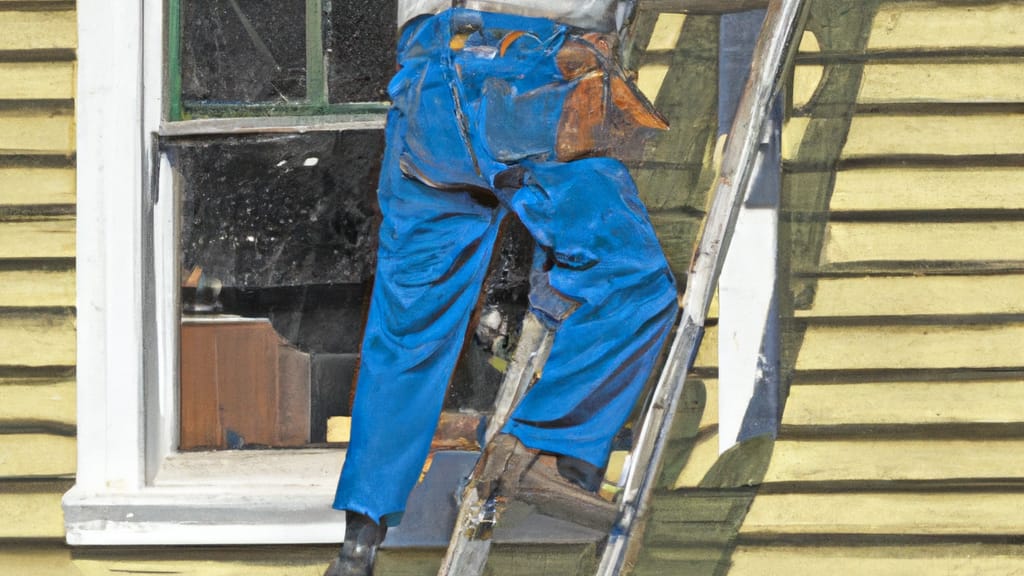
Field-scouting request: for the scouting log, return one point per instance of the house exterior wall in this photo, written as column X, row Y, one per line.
column 37, row 276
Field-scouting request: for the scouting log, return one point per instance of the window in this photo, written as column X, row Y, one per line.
column 241, row 194
column 169, row 127
column 273, row 139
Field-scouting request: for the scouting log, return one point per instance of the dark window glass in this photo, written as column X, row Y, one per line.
column 281, row 211
column 243, row 51
column 361, row 49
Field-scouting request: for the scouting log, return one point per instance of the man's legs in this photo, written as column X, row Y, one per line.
column 606, row 261
column 435, row 247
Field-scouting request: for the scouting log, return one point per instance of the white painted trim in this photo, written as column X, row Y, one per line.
column 191, row 516
column 200, row 498
column 109, row 289
column 746, row 290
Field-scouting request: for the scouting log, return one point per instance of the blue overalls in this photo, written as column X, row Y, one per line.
column 470, row 138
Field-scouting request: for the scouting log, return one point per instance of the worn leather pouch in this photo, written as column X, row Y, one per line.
column 605, row 108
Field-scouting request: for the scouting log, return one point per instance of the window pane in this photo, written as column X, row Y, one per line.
column 243, row 51
column 361, row 49
column 278, row 241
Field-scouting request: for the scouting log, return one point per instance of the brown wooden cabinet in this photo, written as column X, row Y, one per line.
column 242, row 385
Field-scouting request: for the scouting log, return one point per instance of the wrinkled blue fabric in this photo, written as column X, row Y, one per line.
column 599, row 275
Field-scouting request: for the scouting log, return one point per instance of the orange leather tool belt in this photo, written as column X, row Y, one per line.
column 606, row 108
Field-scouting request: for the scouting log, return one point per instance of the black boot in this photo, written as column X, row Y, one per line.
column 362, row 538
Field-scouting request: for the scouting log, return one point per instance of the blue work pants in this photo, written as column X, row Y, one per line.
column 452, row 171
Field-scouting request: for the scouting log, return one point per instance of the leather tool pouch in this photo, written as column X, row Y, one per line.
column 605, row 108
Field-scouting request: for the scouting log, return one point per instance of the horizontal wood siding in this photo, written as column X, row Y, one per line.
column 23, row 186
column 37, row 30
column 37, row 284
column 49, row 237
column 31, row 510
column 37, row 80
column 899, row 449
column 885, row 559
column 40, row 400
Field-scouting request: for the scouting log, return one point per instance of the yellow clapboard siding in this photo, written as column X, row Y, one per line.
column 42, row 238
column 905, row 403
column 39, row 455
column 882, row 189
column 37, row 340
column 883, row 135
column 649, row 79
column 31, row 514
column 53, row 401
column 931, row 25
column 37, row 288
column 37, row 132
column 948, row 134
column 917, row 295
column 886, row 513
column 941, row 559
column 38, row 559
column 705, row 452
column 37, row 80
column 806, row 77
column 924, row 241
column 816, row 460
column 910, row 347
column 703, row 457
column 20, row 186
column 707, row 356
column 666, row 32
column 38, row 30
column 942, row 82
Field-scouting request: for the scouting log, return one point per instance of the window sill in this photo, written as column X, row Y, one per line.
column 230, row 497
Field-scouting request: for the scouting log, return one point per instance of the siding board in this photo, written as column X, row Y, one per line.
column 867, row 459
column 885, row 560
column 38, row 30
column 45, row 339
column 911, row 347
column 36, row 455
column 38, row 238
column 903, row 25
column 34, row 288
column 52, row 401
column 33, row 511
column 942, row 82
column 848, row 242
column 960, row 514
column 927, row 135
column 37, row 559
column 917, row 296
column 34, row 131
column 905, row 403
column 37, row 186
column 892, row 189
column 37, row 80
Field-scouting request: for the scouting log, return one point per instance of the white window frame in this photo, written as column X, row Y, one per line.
column 132, row 487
